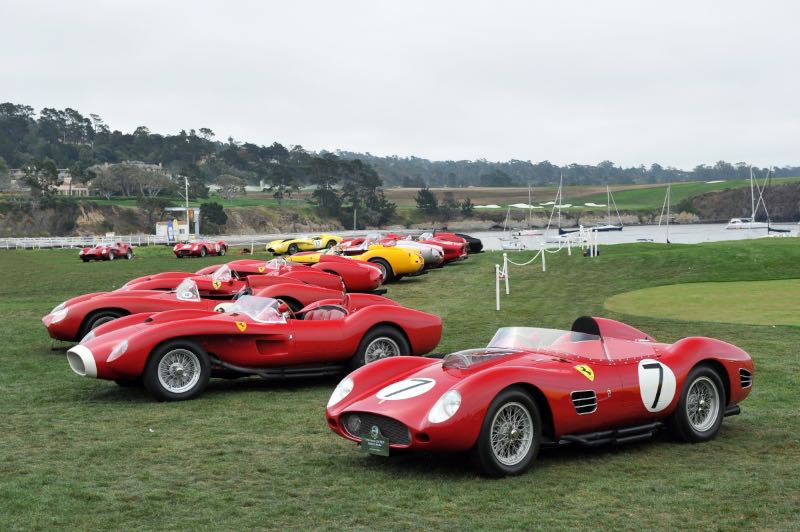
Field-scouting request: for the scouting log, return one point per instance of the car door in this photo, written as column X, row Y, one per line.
column 319, row 341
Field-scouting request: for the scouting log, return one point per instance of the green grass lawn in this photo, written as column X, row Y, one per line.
column 751, row 302
column 85, row 454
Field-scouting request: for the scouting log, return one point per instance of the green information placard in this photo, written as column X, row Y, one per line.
column 375, row 442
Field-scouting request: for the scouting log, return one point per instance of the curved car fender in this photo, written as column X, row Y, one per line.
column 368, row 379
column 315, row 277
column 121, row 323
column 422, row 330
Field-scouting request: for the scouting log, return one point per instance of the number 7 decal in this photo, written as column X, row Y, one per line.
column 656, row 385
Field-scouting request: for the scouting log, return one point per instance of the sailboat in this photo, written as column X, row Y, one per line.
column 529, row 231
column 667, row 201
column 508, row 241
column 750, row 223
column 609, row 226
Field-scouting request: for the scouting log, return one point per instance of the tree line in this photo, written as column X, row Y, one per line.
column 416, row 172
column 98, row 155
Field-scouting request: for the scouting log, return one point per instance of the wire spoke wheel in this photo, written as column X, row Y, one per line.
column 512, row 433
column 379, row 348
column 702, row 404
column 179, row 370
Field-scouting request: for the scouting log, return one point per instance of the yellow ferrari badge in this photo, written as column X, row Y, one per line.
column 216, row 284
column 242, row 326
column 261, row 269
column 586, row 371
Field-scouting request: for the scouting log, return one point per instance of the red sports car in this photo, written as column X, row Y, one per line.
column 452, row 250
column 175, row 353
column 601, row 382
column 357, row 276
column 106, row 252
column 200, row 248
column 74, row 318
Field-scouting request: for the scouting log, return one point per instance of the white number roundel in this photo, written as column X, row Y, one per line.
column 656, row 385
column 405, row 389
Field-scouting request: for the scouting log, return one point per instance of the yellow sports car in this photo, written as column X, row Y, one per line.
column 304, row 243
column 394, row 262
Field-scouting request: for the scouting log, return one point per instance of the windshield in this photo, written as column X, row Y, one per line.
column 275, row 264
column 425, row 236
column 187, row 291
column 223, row 274
column 534, row 338
column 470, row 357
column 260, row 309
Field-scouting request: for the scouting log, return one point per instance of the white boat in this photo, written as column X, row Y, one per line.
column 751, row 223
column 507, row 241
column 529, row 231
column 745, row 223
column 608, row 226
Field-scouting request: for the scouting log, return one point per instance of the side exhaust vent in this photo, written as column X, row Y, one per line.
column 585, row 402
column 745, row 378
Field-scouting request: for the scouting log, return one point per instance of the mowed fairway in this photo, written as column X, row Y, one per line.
column 751, row 302
column 86, row 454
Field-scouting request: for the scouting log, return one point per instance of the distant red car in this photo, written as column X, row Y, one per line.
column 452, row 250
column 175, row 353
column 200, row 248
column 106, row 252
column 76, row 317
column 357, row 276
column 602, row 382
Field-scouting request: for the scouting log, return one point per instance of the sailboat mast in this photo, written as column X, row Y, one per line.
column 608, row 205
column 669, row 199
column 530, row 207
column 752, row 199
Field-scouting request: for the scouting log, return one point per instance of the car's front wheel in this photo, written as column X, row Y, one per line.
column 380, row 342
column 203, row 251
column 177, row 370
column 129, row 254
column 97, row 319
column 510, row 435
column 330, row 244
column 698, row 416
column 222, row 251
column 110, row 254
column 292, row 249
column 386, row 269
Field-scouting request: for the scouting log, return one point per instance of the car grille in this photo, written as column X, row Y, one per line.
column 585, row 402
column 745, row 378
column 358, row 425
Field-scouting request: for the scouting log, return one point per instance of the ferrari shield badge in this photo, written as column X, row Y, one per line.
column 242, row 326
column 375, row 442
column 261, row 269
column 586, row 371
column 216, row 284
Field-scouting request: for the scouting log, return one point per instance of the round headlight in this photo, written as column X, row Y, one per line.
column 445, row 407
column 118, row 351
column 341, row 391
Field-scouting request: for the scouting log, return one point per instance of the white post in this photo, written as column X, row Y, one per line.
column 252, row 246
column 543, row 252
column 497, row 286
column 596, row 244
column 505, row 270
column 569, row 247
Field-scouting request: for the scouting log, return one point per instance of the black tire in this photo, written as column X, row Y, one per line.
column 183, row 355
column 98, row 318
column 203, row 251
column 292, row 249
column 484, row 455
column 222, row 251
column 688, row 421
column 85, row 260
column 388, row 274
column 110, row 254
column 330, row 244
column 129, row 254
column 392, row 339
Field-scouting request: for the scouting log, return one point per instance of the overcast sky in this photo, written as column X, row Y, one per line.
column 679, row 83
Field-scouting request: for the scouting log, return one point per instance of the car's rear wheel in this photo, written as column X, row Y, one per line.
column 110, row 254
column 330, row 244
column 97, row 319
column 177, row 370
column 388, row 274
column 222, row 251
column 698, row 416
column 128, row 383
column 380, row 342
column 292, row 249
column 203, row 251
column 129, row 254
column 510, row 435
column 85, row 260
